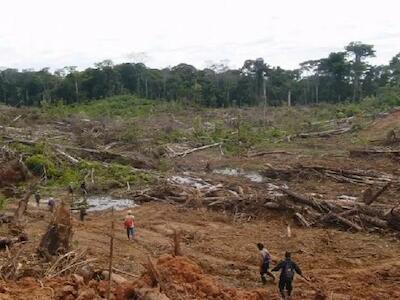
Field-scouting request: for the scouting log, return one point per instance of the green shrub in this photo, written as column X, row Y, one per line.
column 40, row 164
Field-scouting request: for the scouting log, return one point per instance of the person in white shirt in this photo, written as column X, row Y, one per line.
column 265, row 260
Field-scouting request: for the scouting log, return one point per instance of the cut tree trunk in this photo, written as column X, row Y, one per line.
column 57, row 239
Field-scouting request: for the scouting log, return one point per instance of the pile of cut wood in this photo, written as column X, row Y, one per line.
column 357, row 176
column 346, row 213
column 307, row 211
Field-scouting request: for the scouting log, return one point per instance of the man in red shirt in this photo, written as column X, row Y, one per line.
column 130, row 225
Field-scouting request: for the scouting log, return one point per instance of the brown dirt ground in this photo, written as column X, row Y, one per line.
column 349, row 265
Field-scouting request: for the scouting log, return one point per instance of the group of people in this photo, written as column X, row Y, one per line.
column 129, row 222
column 51, row 203
column 287, row 267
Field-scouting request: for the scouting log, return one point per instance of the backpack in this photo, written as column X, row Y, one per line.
column 288, row 270
column 267, row 258
column 129, row 223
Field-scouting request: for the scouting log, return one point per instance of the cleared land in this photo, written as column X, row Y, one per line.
column 255, row 155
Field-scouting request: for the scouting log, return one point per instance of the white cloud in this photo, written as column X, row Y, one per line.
column 45, row 33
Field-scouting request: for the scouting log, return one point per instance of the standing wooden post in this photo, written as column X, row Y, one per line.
column 111, row 254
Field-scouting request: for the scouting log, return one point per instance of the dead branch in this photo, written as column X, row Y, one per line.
column 125, row 273
column 326, row 133
column 375, row 152
column 70, row 158
column 257, row 154
column 368, row 198
column 184, row 153
column 343, row 220
column 301, row 220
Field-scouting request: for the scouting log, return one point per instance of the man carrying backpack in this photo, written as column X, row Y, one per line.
column 288, row 268
column 265, row 260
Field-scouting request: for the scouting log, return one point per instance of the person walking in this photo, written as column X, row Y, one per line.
column 130, row 225
column 51, row 204
column 288, row 268
column 265, row 260
column 37, row 198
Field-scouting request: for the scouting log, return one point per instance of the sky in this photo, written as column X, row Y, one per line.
column 161, row 33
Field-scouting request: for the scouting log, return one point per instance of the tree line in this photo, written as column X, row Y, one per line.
column 342, row 76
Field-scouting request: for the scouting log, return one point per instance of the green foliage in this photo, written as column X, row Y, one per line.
column 339, row 77
column 3, row 202
column 349, row 110
column 122, row 106
column 40, row 164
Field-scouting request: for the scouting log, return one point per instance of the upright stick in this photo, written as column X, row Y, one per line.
column 111, row 254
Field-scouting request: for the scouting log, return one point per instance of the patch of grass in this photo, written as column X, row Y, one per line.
column 125, row 106
column 3, row 202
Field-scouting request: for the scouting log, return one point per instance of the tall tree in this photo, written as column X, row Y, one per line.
column 359, row 52
column 394, row 67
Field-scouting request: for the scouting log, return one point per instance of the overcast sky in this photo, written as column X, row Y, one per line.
column 58, row 33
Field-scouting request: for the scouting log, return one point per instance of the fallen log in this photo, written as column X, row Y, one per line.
column 301, row 220
column 375, row 152
column 374, row 221
column 304, row 200
column 257, row 154
column 343, row 220
column 184, row 153
column 326, row 133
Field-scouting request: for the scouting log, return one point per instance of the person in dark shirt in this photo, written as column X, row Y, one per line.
column 37, row 198
column 287, row 268
column 83, row 189
column 51, row 204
